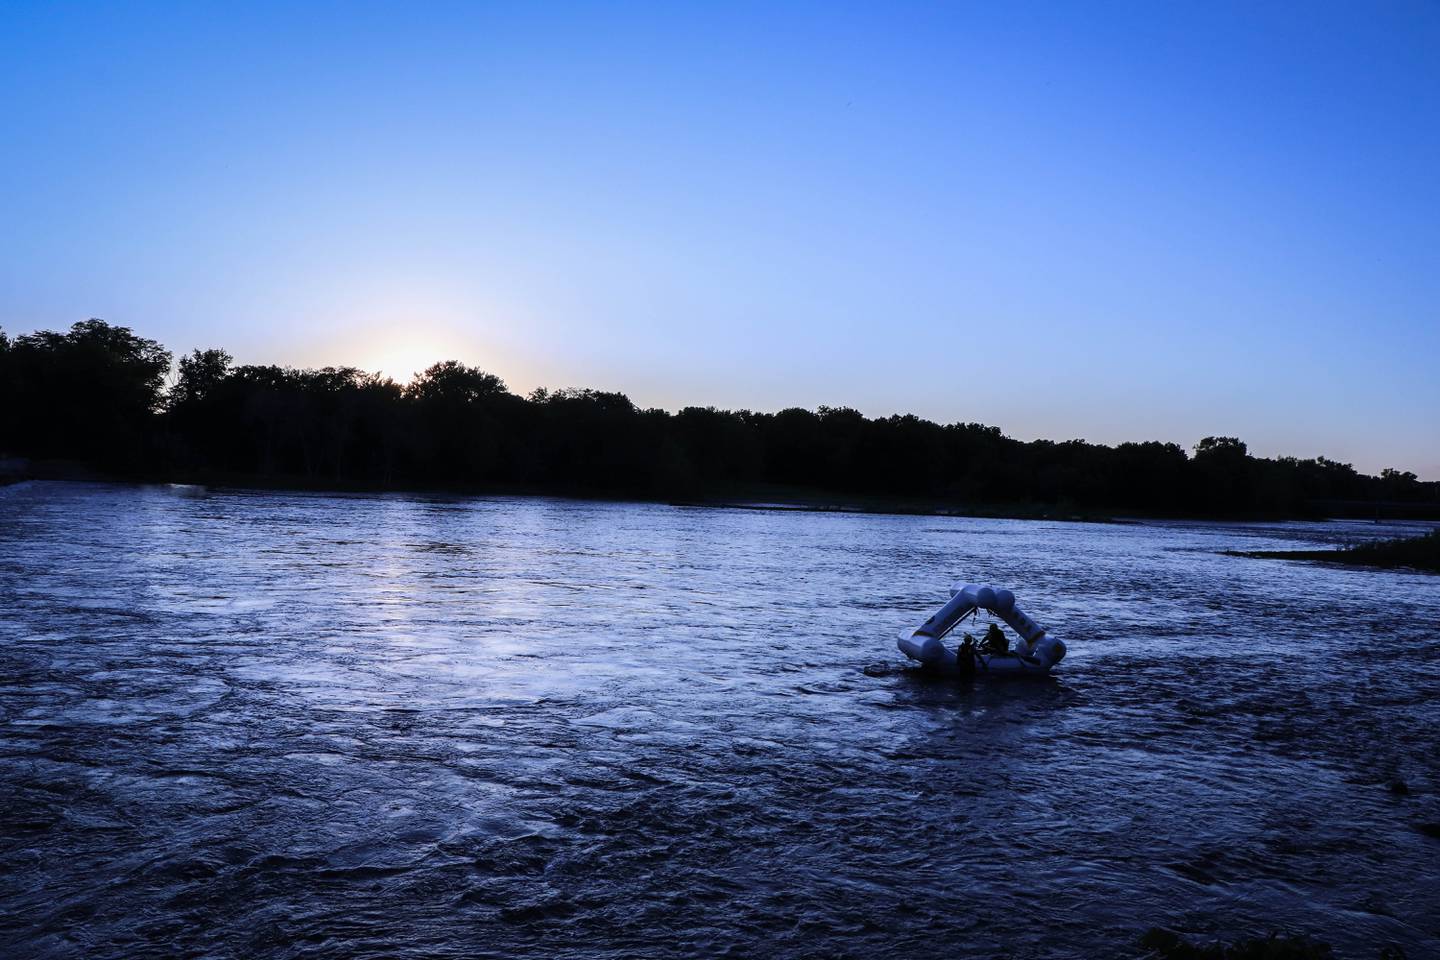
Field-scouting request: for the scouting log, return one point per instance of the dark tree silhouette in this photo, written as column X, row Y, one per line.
column 96, row 394
column 89, row 394
column 463, row 424
column 199, row 375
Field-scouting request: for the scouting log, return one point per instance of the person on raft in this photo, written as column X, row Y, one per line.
column 965, row 657
column 995, row 642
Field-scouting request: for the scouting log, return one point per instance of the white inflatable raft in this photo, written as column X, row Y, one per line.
column 1034, row 656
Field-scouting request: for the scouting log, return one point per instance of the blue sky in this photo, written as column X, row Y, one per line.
column 1108, row 221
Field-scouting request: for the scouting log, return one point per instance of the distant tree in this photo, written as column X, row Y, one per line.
column 89, row 393
column 1399, row 484
column 455, row 383
column 465, row 424
column 94, row 393
column 199, row 374
column 1225, row 480
column 1228, row 447
column 596, row 439
column 719, row 448
column 1148, row 476
column 9, row 400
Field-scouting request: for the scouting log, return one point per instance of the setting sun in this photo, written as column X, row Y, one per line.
column 402, row 361
column 400, row 354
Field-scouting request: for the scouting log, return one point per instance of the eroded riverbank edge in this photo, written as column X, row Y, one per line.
column 765, row 497
column 1416, row 554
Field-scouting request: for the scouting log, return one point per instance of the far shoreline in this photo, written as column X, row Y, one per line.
column 761, row 497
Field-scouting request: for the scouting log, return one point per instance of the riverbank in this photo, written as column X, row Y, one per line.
column 745, row 497
column 807, row 500
column 1414, row 553
column 766, row 497
column 776, row 497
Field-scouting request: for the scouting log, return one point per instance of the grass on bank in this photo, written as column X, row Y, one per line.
column 1412, row 553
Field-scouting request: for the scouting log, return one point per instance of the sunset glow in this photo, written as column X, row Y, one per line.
column 400, row 356
column 1183, row 221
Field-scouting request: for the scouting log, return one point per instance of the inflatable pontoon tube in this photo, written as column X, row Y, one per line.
column 1034, row 656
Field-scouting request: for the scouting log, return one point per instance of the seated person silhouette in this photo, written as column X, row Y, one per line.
column 965, row 657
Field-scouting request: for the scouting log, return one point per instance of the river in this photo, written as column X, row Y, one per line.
column 238, row 723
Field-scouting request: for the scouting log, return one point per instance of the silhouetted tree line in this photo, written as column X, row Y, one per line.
column 99, row 394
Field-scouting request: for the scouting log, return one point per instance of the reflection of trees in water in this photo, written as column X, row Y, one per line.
column 97, row 394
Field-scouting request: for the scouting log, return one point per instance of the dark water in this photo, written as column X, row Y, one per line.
column 240, row 724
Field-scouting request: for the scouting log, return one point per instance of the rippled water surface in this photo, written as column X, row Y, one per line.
column 240, row 724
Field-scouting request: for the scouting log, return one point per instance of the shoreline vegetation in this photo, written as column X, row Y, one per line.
column 767, row 498
column 101, row 402
column 1420, row 553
